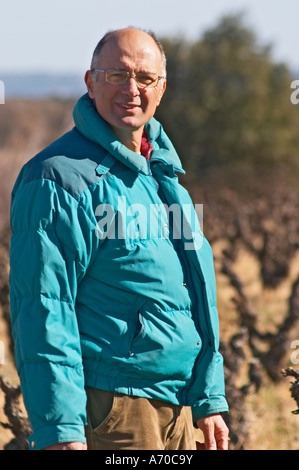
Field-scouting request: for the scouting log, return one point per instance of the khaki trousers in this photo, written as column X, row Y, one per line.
column 121, row 422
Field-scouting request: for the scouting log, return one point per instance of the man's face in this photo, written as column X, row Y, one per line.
column 127, row 107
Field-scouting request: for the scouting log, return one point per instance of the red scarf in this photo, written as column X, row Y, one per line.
column 146, row 147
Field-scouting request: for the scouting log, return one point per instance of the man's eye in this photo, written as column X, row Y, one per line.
column 145, row 78
column 117, row 76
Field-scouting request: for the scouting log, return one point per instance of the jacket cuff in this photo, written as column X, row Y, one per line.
column 50, row 435
column 214, row 405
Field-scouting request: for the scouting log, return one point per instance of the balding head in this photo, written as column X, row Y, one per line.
column 115, row 35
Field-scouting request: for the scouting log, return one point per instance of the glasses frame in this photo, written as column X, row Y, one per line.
column 129, row 75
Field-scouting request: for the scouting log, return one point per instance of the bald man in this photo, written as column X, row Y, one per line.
column 113, row 295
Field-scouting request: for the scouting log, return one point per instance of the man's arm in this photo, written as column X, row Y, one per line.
column 48, row 254
column 215, row 433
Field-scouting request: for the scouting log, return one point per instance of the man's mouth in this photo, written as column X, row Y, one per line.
column 130, row 106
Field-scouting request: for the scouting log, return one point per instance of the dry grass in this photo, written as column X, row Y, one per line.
column 8, row 371
column 272, row 424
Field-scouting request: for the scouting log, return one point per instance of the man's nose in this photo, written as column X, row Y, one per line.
column 131, row 87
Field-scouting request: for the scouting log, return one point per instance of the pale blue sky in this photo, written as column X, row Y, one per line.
column 60, row 35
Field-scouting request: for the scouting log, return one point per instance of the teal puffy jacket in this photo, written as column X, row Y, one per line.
column 112, row 283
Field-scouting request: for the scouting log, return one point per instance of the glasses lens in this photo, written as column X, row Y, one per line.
column 143, row 79
column 117, row 77
column 146, row 79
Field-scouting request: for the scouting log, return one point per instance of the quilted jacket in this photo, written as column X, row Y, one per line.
column 112, row 282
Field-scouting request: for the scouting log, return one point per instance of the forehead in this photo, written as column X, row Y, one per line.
column 132, row 49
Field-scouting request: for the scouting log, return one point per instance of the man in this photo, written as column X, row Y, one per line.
column 109, row 300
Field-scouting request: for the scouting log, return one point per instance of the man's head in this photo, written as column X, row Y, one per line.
column 127, row 101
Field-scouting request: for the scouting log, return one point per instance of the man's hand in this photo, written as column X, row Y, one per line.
column 215, row 433
column 67, row 446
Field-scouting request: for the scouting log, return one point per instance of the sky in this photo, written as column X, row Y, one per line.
column 59, row 36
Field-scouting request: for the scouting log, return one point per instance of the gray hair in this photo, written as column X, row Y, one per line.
column 110, row 34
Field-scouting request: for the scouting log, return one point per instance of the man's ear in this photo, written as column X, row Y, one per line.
column 89, row 81
column 162, row 91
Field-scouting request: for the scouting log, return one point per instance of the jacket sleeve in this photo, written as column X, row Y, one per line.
column 50, row 249
column 210, row 387
column 207, row 387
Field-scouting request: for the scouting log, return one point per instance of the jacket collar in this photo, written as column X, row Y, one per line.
column 93, row 127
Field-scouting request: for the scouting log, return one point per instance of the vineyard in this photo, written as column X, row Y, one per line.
column 256, row 243
column 253, row 227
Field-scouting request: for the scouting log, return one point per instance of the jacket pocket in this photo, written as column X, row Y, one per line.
column 139, row 329
column 166, row 343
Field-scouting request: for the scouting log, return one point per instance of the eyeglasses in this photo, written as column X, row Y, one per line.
column 120, row 77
